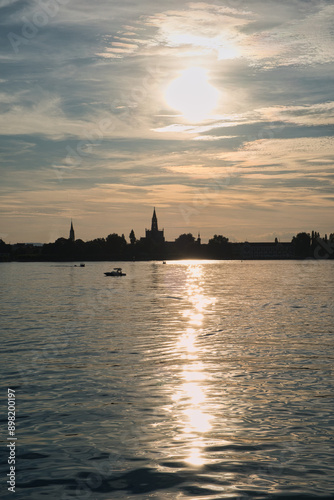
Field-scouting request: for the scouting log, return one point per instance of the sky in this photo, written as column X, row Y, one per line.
column 219, row 114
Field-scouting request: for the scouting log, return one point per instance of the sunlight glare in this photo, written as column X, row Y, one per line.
column 198, row 421
column 187, row 341
column 194, row 393
column 192, row 94
column 195, row 457
column 193, row 376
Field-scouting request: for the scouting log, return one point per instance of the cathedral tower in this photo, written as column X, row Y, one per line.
column 154, row 226
column 72, row 236
column 154, row 234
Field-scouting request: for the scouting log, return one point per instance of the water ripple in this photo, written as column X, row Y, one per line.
column 209, row 380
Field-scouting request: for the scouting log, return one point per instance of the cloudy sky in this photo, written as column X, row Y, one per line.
column 219, row 114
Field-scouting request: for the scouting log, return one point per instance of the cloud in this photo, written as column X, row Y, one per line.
column 86, row 130
column 195, row 31
column 282, row 38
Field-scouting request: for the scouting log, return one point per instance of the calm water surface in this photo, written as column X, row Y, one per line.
column 190, row 380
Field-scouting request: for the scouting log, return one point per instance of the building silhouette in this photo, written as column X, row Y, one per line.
column 264, row 250
column 72, row 235
column 154, row 235
column 154, row 247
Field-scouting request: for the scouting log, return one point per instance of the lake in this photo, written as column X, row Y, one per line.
column 190, row 380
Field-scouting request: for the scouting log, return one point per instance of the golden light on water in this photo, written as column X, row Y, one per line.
column 187, row 341
column 191, row 374
column 198, row 421
column 194, row 318
column 195, row 457
column 191, row 397
column 195, row 393
column 192, row 94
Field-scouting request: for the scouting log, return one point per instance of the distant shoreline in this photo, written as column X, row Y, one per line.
column 115, row 248
column 213, row 259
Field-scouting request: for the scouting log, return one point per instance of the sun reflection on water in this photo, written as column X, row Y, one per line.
column 195, row 457
column 191, row 396
column 187, row 341
column 194, row 392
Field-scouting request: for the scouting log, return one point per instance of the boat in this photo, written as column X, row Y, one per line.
column 116, row 272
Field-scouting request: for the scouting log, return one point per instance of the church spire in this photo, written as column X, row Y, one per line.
column 154, row 235
column 154, row 226
column 72, row 236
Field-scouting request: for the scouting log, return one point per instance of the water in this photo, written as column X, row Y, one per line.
column 190, row 380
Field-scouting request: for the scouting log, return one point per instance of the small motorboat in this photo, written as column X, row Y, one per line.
column 116, row 272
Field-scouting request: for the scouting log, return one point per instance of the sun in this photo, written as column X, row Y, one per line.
column 192, row 94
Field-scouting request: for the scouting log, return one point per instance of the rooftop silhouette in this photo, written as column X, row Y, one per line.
column 154, row 247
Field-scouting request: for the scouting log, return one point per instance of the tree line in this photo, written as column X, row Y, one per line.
column 116, row 247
